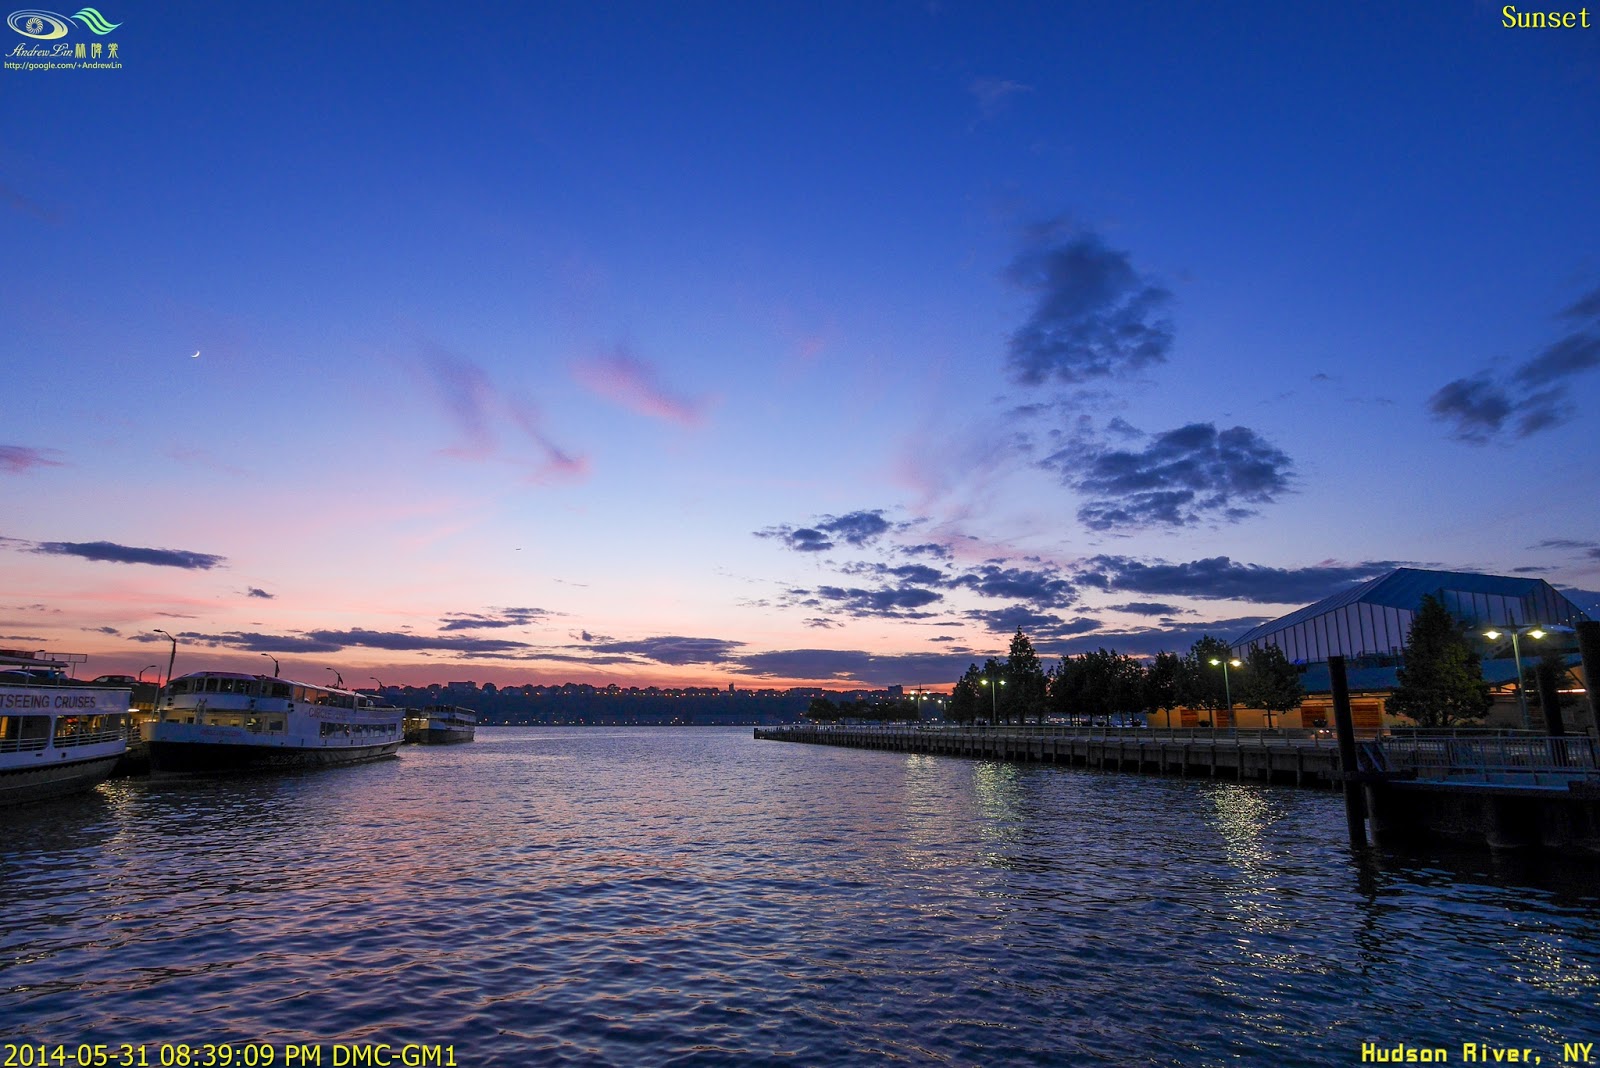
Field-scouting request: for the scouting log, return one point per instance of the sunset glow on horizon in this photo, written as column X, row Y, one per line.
column 773, row 347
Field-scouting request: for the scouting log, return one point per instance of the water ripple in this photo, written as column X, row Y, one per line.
column 695, row 897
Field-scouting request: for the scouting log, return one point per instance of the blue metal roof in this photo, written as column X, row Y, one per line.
column 1405, row 587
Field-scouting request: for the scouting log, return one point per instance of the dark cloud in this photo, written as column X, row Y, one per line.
column 1037, row 625
column 503, row 617
column 1534, row 396
column 253, row 592
column 856, row 529
column 913, row 574
column 1592, row 548
column 1044, row 587
column 1478, row 407
column 896, row 603
column 15, row 459
column 938, row 552
column 1094, row 316
column 675, row 650
column 856, row 666
column 1184, row 476
column 1168, row 639
column 111, row 552
column 108, row 630
column 1147, row 608
column 331, row 641
column 1220, row 578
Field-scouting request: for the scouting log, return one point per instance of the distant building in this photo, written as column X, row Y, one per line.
column 468, row 685
column 1368, row 625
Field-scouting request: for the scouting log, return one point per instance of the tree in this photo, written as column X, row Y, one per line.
column 965, row 696
column 1440, row 683
column 1204, row 685
column 1269, row 681
column 1163, row 684
column 1025, row 679
column 992, row 686
column 822, row 710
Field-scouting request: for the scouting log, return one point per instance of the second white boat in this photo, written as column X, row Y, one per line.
column 218, row 721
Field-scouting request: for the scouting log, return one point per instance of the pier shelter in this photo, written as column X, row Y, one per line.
column 1368, row 625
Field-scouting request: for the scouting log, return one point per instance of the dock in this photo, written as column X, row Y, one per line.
column 1298, row 758
column 1503, row 790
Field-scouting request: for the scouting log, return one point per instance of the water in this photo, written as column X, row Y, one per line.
column 692, row 896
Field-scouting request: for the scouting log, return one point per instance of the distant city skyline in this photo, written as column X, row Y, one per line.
column 783, row 347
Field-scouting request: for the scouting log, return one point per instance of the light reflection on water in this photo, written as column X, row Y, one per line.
column 640, row 896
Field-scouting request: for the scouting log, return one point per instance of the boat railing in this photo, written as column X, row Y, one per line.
column 22, row 745
column 111, row 734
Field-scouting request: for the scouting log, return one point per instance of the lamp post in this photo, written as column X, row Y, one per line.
column 338, row 679
column 1534, row 631
column 1226, row 692
column 274, row 660
column 994, row 696
column 377, row 680
column 144, row 669
column 171, row 658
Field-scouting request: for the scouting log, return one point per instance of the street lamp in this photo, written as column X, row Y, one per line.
column 274, row 660
column 144, row 669
column 1226, row 692
column 377, row 680
column 171, row 657
column 1534, row 631
column 994, row 696
column 338, row 678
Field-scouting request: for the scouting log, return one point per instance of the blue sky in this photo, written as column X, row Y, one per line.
column 783, row 343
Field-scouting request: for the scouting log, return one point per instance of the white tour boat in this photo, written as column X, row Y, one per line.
column 441, row 724
column 57, row 736
column 223, row 721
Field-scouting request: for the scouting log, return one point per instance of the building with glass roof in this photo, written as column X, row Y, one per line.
column 1371, row 621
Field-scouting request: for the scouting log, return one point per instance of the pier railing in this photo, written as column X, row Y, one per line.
column 1213, row 735
column 1530, row 759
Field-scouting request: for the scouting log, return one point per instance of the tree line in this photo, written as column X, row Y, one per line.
column 1106, row 686
column 1439, row 683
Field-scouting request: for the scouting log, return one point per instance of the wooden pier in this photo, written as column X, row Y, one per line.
column 1495, row 789
column 1299, row 758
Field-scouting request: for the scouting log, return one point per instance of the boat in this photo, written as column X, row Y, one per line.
column 57, row 736
column 217, row 721
column 441, row 724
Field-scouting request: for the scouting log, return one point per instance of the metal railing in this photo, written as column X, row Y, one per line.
column 1240, row 736
column 1510, row 759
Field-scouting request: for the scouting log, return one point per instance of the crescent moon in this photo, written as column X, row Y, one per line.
column 196, row 355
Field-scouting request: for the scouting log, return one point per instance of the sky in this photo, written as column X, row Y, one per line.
column 780, row 344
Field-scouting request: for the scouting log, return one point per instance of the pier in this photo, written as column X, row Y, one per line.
column 1503, row 790
column 1299, row 758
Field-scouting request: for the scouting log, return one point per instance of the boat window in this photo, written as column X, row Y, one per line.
column 280, row 689
column 212, row 685
column 181, row 686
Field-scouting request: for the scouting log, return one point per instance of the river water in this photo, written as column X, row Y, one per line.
column 692, row 896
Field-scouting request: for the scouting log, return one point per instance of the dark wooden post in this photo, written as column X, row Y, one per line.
column 1355, row 809
column 1550, row 700
column 1589, row 648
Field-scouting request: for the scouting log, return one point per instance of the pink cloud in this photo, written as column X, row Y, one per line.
column 633, row 384
column 16, row 459
column 469, row 396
